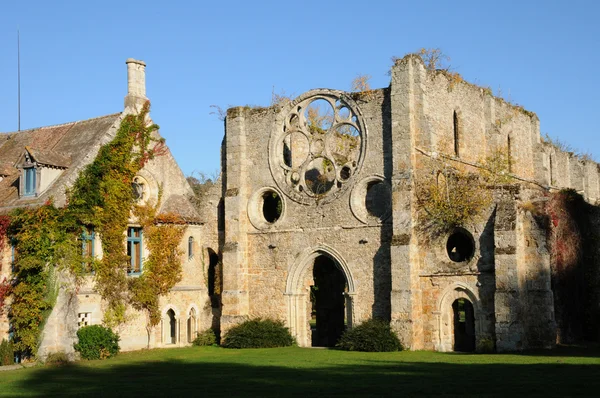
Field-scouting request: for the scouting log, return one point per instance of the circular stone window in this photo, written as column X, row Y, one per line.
column 460, row 245
column 139, row 187
column 271, row 206
column 318, row 146
column 371, row 199
column 265, row 207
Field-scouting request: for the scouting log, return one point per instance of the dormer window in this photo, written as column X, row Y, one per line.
column 30, row 180
column 39, row 169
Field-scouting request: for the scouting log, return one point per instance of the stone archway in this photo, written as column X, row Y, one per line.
column 444, row 333
column 170, row 325
column 299, row 282
column 463, row 325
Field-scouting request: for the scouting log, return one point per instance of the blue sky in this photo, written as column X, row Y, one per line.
column 541, row 54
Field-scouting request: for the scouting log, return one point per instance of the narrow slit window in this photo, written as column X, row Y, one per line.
column 190, row 247
column 456, row 135
column 509, row 155
column 134, row 250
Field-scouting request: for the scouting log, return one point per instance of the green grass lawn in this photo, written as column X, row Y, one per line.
column 214, row 371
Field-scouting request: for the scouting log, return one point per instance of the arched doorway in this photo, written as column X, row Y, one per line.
column 327, row 302
column 172, row 325
column 460, row 321
column 319, row 295
column 464, row 325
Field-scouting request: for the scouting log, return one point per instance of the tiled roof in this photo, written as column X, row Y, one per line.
column 180, row 205
column 65, row 145
column 49, row 158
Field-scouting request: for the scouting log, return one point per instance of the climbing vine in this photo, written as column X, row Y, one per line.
column 46, row 239
column 43, row 239
column 162, row 268
column 102, row 198
column 575, row 280
column 5, row 284
column 449, row 196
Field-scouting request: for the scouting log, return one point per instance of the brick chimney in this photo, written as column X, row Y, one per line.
column 136, row 83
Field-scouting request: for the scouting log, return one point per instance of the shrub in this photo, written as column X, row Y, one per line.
column 59, row 358
column 97, row 342
column 258, row 333
column 373, row 335
column 486, row 345
column 7, row 353
column 205, row 338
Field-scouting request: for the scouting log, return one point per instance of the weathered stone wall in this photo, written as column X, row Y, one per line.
column 266, row 255
column 391, row 271
column 567, row 170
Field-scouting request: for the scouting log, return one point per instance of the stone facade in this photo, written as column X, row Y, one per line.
column 315, row 220
column 391, row 272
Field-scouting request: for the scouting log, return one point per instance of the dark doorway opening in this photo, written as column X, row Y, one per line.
column 464, row 325
column 328, row 303
column 172, row 327
column 215, row 288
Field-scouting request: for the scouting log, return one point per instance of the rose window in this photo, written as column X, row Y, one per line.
column 318, row 147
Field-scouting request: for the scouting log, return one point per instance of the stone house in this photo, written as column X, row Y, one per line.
column 41, row 164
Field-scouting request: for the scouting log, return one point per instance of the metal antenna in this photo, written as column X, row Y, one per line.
column 19, row 78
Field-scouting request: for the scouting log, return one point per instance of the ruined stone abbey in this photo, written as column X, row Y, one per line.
column 318, row 220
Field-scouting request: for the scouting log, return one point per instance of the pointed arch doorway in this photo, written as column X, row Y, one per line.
column 319, row 292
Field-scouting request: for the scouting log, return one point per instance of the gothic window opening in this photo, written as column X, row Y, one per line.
column 134, row 250
column 171, row 327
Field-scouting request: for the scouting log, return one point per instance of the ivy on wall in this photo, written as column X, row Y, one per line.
column 46, row 239
column 5, row 284
column 162, row 268
column 40, row 236
column 450, row 196
column 102, row 197
column 575, row 282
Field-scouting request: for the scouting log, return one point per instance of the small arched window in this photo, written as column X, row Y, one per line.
column 190, row 247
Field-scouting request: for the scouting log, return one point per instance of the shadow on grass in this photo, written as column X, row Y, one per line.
column 586, row 350
column 176, row 378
